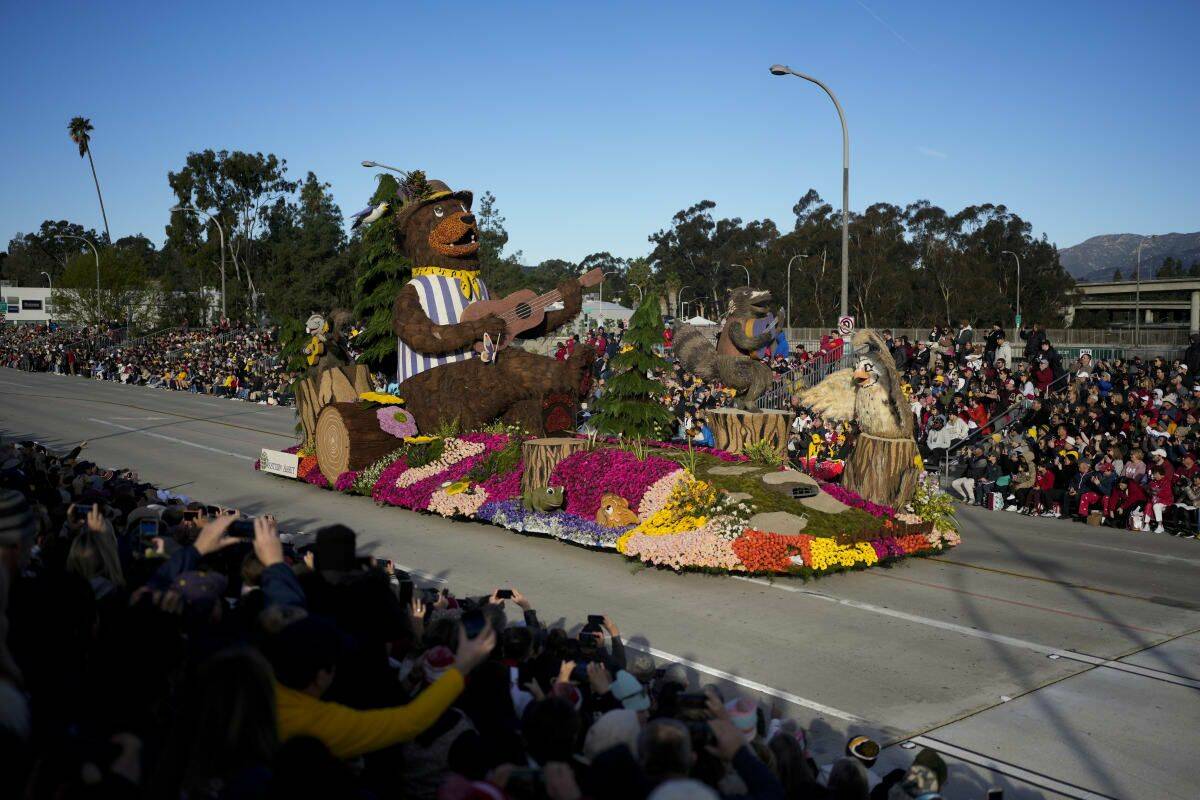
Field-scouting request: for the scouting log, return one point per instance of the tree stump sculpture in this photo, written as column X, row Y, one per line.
column 348, row 438
column 734, row 429
column 541, row 456
column 334, row 385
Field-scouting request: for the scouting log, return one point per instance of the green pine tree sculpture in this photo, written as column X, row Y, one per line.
column 631, row 407
column 382, row 274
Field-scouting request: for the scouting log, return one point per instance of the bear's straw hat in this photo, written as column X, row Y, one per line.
column 436, row 190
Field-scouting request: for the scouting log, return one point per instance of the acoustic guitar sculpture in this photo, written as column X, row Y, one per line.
column 522, row 310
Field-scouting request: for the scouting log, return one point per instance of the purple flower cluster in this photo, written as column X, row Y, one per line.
column 586, row 476
column 416, row 496
column 723, row 455
column 559, row 525
column 387, row 479
column 315, row 477
column 504, row 486
column 396, row 421
column 345, row 481
column 887, row 547
column 851, row 499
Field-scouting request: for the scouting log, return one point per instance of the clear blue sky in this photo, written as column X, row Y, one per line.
column 594, row 122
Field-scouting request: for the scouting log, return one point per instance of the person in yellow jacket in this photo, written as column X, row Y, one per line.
column 304, row 668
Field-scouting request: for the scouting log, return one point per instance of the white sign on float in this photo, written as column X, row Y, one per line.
column 846, row 325
column 278, row 462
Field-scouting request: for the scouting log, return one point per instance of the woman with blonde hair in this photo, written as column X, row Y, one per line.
column 93, row 554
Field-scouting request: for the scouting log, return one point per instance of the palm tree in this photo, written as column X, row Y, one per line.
column 80, row 130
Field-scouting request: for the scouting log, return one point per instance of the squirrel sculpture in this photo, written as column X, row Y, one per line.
column 732, row 362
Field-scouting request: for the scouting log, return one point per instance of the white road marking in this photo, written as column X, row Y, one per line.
column 14, row 383
column 139, row 419
column 746, row 683
column 999, row 638
column 1011, row 770
column 172, row 439
column 1123, row 551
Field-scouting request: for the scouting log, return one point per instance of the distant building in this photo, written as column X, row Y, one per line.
column 1163, row 302
column 598, row 313
column 25, row 305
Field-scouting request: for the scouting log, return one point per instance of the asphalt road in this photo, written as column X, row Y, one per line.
column 1046, row 658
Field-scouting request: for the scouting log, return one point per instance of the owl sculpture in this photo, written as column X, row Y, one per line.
column 883, row 465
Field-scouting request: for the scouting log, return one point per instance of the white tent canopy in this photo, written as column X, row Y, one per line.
column 700, row 321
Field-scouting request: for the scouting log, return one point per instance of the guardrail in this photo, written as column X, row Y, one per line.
column 1003, row 420
column 779, row 396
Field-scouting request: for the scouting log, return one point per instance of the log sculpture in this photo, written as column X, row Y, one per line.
column 882, row 467
column 334, row 385
column 541, row 456
column 348, row 438
column 733, row 430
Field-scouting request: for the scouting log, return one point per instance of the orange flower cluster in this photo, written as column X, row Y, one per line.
column 307, row 465
column 761, row 551
column 913, row 543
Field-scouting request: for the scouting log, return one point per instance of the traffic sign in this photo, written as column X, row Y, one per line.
column 846, row 325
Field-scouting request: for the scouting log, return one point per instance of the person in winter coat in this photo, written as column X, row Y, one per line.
column 1097, row 486
column 1159, row 496
column 986, row 482
column 1183, row 518
column 975, row 468
column 1036, row 499
column 1033, row 337
column 1023, row 480
column 1127, row 496
column 1003, row 353
column 1191, row 357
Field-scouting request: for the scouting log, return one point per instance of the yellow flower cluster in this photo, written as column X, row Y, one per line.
column 828, row 553
column 382, row 398
column 685, row 511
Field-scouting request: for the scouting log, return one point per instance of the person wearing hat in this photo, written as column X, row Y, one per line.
column 436, row 355
column 18, row 530
column 924, row 779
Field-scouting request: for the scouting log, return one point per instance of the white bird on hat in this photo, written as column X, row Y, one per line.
column 369, row 214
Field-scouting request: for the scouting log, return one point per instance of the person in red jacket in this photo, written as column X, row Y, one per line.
column 1159, row 496
column 1126, row 496
column 978, row 414
column 1035, row 501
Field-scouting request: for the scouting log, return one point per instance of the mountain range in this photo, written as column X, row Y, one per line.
column 1097, row 258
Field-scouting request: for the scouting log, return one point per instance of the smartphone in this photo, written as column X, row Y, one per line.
column 148, row 528
column 595, row 619
column 995, row 794
column 406, row 591
column 192, row 514
column 473, row 622
column 693, row 701
column 81, row 510
column 212, row 511
column 504, row 594
column 241, row 529
column 525, row 782
column 579, row 674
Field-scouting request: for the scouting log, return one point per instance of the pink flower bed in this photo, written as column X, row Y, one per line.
column 851, row 499
column 700, row 548
column 587, row 476
column 345, row 481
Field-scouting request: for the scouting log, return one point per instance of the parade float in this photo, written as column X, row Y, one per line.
column 480, row 430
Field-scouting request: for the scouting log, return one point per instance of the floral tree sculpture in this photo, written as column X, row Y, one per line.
column 631, row 405
column 382, row 273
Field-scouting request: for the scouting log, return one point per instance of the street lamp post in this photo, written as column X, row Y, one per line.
column 221, row 232
column 96, row 253
column 641, row 294
column 780, row 69
column 679, row 297
column 377, row 165
column 1137, row 297
column 791, row 261
column 1018, row 259
column 743, row 266
column 49, row 283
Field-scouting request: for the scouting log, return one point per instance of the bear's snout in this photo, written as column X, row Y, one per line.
column 468, row 219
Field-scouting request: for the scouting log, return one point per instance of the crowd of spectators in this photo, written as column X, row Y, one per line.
column 226, row 360
column 1108, row 442
column 155, row 646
